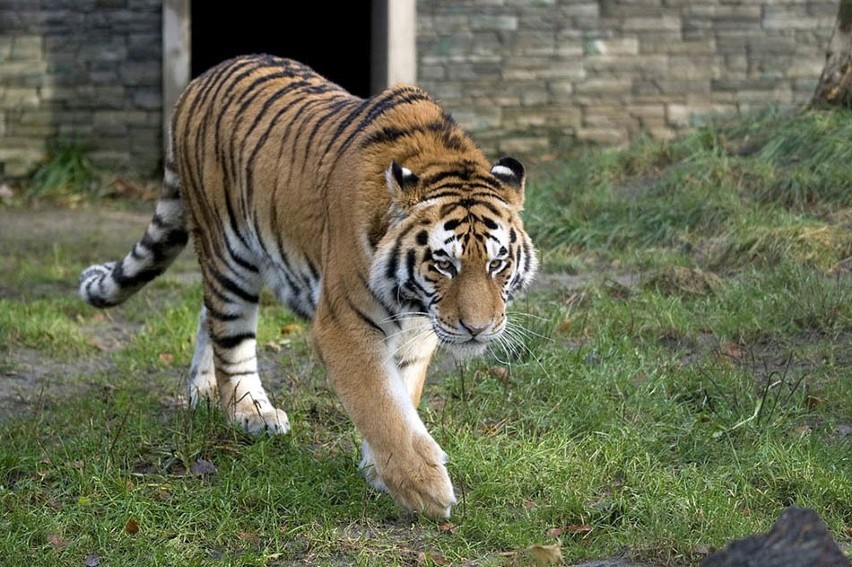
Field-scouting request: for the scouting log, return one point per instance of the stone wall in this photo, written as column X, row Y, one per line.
column 83, row 71
column 525, row 76
column 532, row 76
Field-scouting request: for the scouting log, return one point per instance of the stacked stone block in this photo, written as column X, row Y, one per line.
column 86, row 72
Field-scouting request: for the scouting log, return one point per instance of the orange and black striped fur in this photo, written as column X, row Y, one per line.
column 378, row 219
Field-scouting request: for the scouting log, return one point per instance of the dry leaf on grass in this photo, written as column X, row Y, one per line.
column 430, row 558
column 291, row 328
column 131, row 527
column 546, row 554
column 732, row 350
column 448, row 527
column 56, row 540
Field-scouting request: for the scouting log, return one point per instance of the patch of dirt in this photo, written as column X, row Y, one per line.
column 36, row 229
column 30, row 380
column 28, row 377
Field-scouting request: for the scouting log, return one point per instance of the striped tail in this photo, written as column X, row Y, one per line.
column 106, row 285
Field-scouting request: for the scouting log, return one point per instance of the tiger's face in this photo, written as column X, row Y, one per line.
column 459, row 255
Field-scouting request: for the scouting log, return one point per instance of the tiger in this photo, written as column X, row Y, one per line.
column 378, row 219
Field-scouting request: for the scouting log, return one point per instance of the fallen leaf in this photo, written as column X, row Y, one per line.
column 812, row 402
column 732, row 350
column 291, row 328
column 249, row 536
column 56, row 540
column 92, row 560
column 131, row 527
column 546, row 554
column 448, row 527
column 203, row 467
column 167, row 358
column 430, row 558
column 702, row 549
column 491, row 426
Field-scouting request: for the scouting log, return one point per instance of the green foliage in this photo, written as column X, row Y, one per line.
column 789, row 175
column 65, row 171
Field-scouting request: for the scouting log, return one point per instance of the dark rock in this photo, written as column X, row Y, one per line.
column 798, row 539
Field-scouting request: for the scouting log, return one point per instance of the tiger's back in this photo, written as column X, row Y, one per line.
column 379, row 218
column 271, row 147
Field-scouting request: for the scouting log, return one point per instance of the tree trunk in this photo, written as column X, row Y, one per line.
column 835, row 83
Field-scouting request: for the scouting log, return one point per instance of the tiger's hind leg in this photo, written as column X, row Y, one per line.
column 231, row 309
column 202, row 373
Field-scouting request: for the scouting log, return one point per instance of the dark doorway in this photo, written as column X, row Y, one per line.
column 333, row 38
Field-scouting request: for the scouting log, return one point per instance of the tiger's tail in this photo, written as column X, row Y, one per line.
column 109, row 284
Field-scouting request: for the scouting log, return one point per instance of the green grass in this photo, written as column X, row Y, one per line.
column 682, row 409
column 65, row 171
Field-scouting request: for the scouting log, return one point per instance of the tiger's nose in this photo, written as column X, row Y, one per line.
column 474, row 329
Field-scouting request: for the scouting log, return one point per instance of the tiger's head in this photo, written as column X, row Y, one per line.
column 456, row 250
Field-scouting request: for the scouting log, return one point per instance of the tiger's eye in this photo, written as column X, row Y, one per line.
column 446, row 267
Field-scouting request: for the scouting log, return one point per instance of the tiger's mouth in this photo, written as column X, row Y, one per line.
column 464, row 345
column 464, row 350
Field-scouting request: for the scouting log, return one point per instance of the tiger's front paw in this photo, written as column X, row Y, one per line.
column 414, row 474
column 262, row 419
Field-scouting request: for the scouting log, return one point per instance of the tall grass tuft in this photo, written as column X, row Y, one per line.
column 65, row 171
column 701, row 195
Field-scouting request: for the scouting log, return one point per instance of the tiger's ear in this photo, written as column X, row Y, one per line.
column 400, row 180
column 510, row 172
